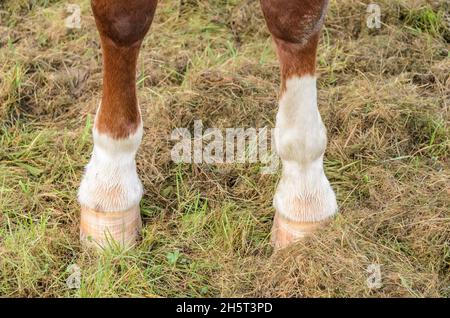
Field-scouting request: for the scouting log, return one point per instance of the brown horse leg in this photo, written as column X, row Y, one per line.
column 110, row 190
column 304, row 199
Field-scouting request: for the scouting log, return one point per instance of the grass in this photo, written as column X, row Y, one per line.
column 384, row 97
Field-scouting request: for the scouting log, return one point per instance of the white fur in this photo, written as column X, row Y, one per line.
column 303, row 193
column 110, row 181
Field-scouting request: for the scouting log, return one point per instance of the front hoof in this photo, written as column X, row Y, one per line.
column 105, row 229
column 286, row 232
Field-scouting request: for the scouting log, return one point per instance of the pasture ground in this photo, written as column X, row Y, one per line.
column 384, row 97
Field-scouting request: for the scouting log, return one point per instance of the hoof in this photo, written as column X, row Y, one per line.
column 285, row 232
column 104, row 229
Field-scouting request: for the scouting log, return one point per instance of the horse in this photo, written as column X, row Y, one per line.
column 110, row 190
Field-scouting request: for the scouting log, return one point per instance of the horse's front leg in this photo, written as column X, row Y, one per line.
column 110, row 190
column 304, row 199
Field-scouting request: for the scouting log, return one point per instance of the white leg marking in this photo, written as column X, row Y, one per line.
column 304, row 193
column 110, row 182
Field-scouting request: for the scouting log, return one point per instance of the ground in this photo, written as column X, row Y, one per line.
column 384, row 97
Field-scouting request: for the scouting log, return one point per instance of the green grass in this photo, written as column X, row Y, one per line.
column 425, row 19
column 383, row 95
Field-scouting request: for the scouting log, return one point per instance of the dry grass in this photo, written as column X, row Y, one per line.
column 384, row 95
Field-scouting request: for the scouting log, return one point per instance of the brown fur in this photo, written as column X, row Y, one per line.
column 122, row 26
column 295, row 26
column 296, row 59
